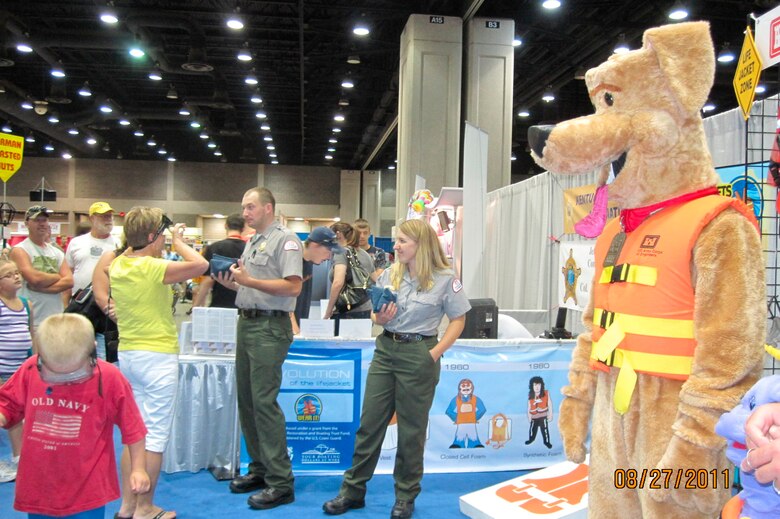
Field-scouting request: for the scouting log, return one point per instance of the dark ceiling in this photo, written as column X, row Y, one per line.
column 299, row 52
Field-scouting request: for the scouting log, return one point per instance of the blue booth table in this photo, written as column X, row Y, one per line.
column 321, row 396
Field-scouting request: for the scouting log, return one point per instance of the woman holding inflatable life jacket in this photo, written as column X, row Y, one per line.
column 133, row 288
column 341, row 273
column 406, row 364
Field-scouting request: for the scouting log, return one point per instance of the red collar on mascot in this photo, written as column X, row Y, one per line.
column 632, row 218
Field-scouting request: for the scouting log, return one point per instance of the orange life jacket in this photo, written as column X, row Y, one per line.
column 643, row 305
column 538, row 407
column 467, row 411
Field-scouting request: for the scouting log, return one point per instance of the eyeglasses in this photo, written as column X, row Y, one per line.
column 12, row 274
column 164, row 224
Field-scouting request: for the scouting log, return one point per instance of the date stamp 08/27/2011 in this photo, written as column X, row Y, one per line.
column 671, row 478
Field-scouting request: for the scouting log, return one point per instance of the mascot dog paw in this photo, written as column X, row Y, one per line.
column 676, row 321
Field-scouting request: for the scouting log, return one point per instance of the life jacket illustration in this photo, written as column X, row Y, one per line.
column 560, row 492
column 500, row 430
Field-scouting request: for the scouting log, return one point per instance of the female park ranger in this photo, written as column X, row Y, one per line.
column 405, row 368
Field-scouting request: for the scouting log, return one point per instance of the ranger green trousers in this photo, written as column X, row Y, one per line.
column 262, row 345
column 402, row 379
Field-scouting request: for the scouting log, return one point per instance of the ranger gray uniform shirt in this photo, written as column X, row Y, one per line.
column 421, row 312
column 277, row 253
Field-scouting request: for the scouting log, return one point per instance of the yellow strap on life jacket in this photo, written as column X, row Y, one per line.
column 639, row 274
column 643, row 325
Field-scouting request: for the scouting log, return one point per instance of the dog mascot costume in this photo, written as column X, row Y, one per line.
column 676, row 322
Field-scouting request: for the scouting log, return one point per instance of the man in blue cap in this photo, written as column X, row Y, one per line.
column 318, row 247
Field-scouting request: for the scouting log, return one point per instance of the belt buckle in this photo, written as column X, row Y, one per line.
column 398, row 337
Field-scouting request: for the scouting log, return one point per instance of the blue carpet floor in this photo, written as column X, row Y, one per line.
column 199, row 495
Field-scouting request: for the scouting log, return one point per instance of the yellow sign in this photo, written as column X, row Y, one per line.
column 578, row 202
column 747, row 74
column 11, row 153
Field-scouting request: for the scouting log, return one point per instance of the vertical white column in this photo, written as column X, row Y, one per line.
column 372, row 199
column 429, row 101
column 489, row 81
column 349, row 201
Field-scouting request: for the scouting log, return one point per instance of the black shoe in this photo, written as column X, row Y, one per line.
column 402, row 509
column 529, row 442
column 247, row 483
column 548, row 445
column 270, row 498
column 341, row 504
column 454, row 446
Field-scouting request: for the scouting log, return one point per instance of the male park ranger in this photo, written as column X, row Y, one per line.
column 268, row 279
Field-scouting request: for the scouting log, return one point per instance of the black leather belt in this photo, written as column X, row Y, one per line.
column 406, row 337
column 252, row 313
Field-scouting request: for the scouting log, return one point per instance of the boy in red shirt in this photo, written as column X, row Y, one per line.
column 70, row 401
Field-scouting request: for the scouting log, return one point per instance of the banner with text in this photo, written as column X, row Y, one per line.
column 576, row 263
column 578, row 202
column 495, row 408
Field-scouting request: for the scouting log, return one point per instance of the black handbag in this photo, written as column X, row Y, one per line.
column 356, row 284
column 83, row 303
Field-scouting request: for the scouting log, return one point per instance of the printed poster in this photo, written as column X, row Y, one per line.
column 576, row 266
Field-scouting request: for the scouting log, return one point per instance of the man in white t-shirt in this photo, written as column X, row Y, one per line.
column 84, row 251
column 45, row 273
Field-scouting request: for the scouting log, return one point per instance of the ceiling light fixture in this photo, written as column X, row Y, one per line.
column 332, row 140
column 162, row 150
column 184, row 111
column 274, row 162
column 66, row 155
column 548, row 96
column 108, row 15
column 760, row 89
column 204, row 134
column 353, row 59
column 338, row 118
column 268, row 138
column 172, row 93
column 708, row 107
column 551, row 4
column 726, row 55
column 256, row 98
column 7, row 128
column 331, row 150
column 622, row 46
column 171, row 158
column 261, row 115
column 270, row 147
column 57, row 71
column 523, row 113
column 24, row 47
column 27, row 105
column 151, row 142
column 234, row 21
column 272, row 155
column 91, row 141
column 136, row 52
column 347, row 83
column 361, row 29
column 343, row 101
column 678, row 12
column 155, row 74
column 124, row 122
column 49, row 147
column 106, row 108
column 391, row 167
column 251, row 79
column 85, row 91
column 73, row 131
column 138, row 132
column 513, row 157
column 30, row 137
column 53, row 118
column 516, row 42
column 211, row 144
column 328, row 157
column 217, row 153
column 244, row 54
column 195, row 124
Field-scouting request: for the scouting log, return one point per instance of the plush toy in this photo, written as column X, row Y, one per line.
column 676, row 321
column 756, row 500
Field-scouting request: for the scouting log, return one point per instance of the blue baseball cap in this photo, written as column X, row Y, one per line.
column 326, row 237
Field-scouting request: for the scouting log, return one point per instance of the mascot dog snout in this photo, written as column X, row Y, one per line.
column 537, row 137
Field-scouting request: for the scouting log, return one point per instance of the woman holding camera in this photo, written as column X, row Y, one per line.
column 406, row 364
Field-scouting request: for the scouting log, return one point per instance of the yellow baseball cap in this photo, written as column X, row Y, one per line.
column 100, row 208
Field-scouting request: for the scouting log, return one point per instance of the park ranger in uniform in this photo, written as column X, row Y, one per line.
column 268, row 280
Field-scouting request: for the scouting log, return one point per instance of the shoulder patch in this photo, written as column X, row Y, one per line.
column 457, row 286
column 291, row 245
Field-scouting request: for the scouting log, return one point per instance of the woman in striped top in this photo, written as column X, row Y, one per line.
column 15, row 347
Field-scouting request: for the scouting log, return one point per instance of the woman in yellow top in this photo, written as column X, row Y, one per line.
column 133, row 288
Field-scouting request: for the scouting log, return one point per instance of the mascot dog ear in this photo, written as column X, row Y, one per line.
column 687, row 59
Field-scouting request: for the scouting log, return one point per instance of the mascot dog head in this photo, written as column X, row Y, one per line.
column 647, row 122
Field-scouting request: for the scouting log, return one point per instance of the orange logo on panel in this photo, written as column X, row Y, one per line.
column 562, row 492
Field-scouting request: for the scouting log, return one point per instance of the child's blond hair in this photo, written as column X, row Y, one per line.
column 63, row 339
